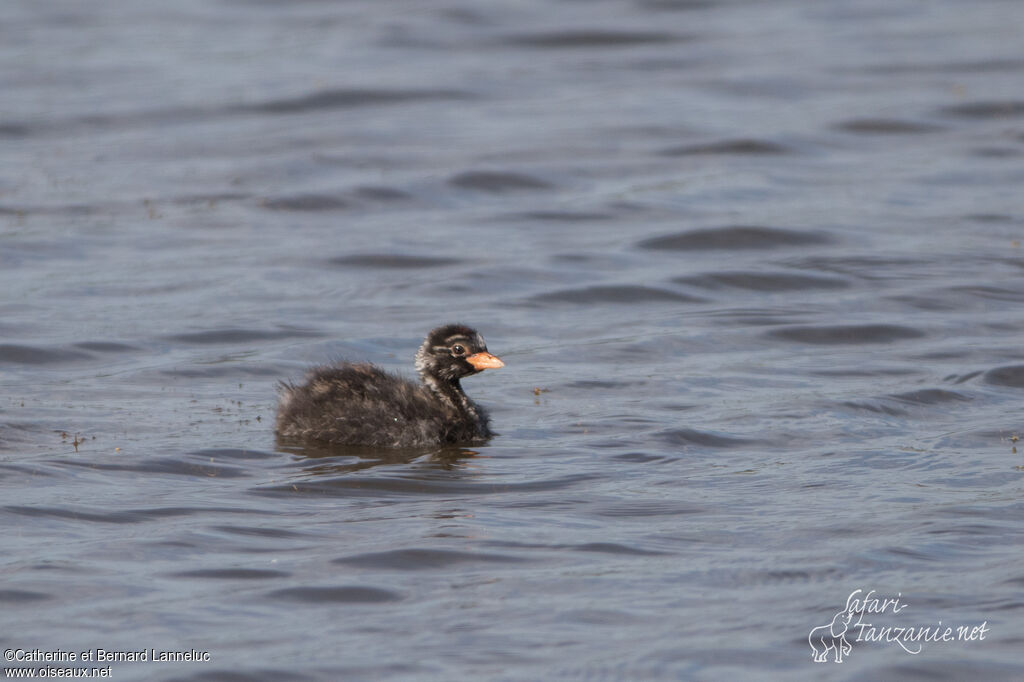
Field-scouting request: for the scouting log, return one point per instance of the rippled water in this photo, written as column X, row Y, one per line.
column 754, row 268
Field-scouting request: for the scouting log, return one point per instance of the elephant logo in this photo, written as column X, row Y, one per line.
column 831, row 637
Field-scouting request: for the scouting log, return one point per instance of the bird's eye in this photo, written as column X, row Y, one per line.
column 458, row 350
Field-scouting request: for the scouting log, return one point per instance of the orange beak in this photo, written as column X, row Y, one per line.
column 484, row 361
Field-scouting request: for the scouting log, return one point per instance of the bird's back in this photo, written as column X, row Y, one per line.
column 361, row 404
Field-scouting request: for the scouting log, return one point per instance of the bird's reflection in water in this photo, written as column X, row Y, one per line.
column 318, row 460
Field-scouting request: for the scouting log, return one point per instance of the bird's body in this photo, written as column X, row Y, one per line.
column 361, row 404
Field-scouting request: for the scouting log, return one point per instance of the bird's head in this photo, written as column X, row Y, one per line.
column 452, row 352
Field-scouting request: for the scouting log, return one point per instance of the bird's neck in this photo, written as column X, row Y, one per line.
column 450, row 393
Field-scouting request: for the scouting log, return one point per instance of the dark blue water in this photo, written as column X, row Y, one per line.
column 754, row 269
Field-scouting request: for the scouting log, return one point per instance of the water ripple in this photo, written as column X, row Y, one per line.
column 616, row 548
column 930, row 396
column 708, row 439
column 497, row 182
column 562, row 216
column 34, row 355
column 22, row 596
column 260, row 532
column 231, row 335
column 244, row 454
column 735, row 237
column 885, row 126
column 989, row 109
column 106, row 347
column 762, row 281
column 602, row 295
column 345, row 594
column 417, row 559
column 393, row 260
column 306, row 202
column 346, row 98
column 645, row 508
column 123, row 516
column 867, row 267
column 232, row 574
column 247, row 674
column 1011, row 375
column 740, row 147
column 592, row 38
column 349, row 486
column 165, row 465
column 846, row 333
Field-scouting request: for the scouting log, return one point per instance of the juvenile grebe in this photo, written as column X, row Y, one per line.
column 361, row 404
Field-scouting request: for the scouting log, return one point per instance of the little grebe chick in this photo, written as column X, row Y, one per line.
column 361, row 404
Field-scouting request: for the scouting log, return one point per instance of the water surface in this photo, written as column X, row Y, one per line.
column 755, row 272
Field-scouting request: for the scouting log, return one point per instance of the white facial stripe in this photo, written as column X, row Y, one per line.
column 476, row 341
